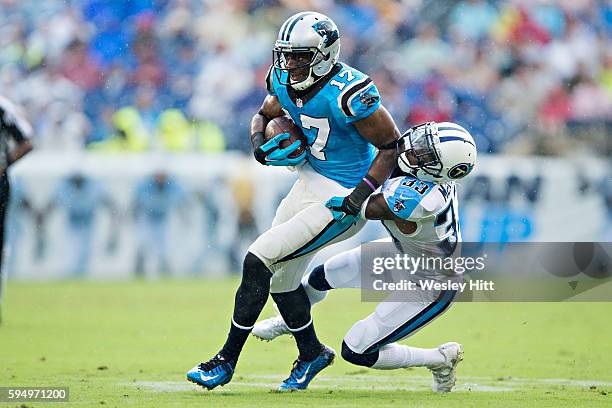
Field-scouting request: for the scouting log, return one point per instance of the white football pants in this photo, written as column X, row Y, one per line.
column 390, row 321
column 302, row 226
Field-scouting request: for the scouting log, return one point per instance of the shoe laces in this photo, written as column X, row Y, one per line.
column 214, row 362
column 298, row 366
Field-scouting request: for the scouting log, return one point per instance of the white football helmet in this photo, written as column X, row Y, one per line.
column 307, row 48
column 437, row 152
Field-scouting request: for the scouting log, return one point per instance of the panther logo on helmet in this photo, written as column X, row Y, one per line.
column 306, row 49
column 326, row 30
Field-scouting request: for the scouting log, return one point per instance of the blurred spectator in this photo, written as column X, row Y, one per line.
column 175, row 131
column 209, row 137
column 518, row 106
column 63, row 128
column 149, row 69
column 81, row 197
column 148, row 106
column 154, row 199
column 555, row 110
column 129, row 133
column 473, row 19
column 590, row 102
column 477, row 75
column 243, row 192
column 435, row 103
column 606, row 74
column 425, row 52
column 20, row 211
column 178, row 134
column 80, row 68
column 219, row 229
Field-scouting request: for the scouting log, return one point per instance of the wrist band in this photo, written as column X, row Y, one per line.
column 257, row 139
column 363, row 190
column 369, row 183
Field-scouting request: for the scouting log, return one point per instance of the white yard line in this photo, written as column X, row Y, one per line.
column 380, row 383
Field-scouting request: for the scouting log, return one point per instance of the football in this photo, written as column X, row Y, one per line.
column 284, row 124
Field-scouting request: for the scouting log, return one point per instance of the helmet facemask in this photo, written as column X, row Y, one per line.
column 298, row 63
column 419, row 148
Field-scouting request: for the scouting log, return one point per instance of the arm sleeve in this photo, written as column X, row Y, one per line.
column 359, row 100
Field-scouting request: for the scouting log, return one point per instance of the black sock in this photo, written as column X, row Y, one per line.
column 250, row 299
column 294, row 307
column 235, row 341
column 317, row 280
column 307, row 342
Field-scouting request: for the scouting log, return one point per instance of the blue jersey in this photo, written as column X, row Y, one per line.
column 326, row 115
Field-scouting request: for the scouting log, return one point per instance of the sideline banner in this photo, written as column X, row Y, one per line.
column 104, row 216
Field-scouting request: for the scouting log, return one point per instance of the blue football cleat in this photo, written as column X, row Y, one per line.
column 303, row 372
column 216, row 371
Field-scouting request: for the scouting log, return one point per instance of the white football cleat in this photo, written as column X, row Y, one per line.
column 271, row 328
column 445, row 374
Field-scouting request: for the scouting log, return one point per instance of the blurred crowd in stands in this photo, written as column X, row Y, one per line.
column 525, row 76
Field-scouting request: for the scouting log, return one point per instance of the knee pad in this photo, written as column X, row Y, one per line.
column 365, row 360
column 254, row 268
column 344, row 270
column 250, row 261
column 362, row 335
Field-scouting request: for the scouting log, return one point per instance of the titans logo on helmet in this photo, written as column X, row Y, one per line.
column 460, row 170
column 327, row 31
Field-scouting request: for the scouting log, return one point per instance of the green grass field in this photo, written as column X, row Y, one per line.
column 117, row 344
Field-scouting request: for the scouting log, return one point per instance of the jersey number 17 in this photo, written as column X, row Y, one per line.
column 322, row 124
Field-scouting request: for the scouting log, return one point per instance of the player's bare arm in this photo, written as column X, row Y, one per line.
column 378, row 209
column 380, row 130
column 270, row 109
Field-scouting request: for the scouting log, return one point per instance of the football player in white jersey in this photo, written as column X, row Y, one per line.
column 418, row 206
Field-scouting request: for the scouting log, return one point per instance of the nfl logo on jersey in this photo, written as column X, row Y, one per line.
column 299, row 103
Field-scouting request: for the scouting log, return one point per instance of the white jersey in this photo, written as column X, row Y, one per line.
column 432, row 207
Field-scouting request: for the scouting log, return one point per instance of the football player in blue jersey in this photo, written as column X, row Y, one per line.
column 418, row 206
column 352, row 149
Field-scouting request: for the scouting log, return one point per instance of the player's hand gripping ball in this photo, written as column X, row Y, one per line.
column 285, row 144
